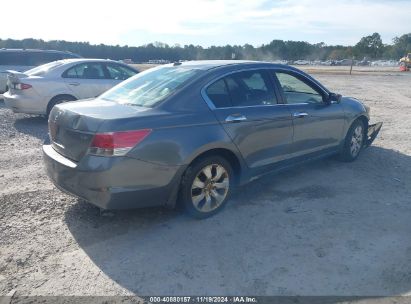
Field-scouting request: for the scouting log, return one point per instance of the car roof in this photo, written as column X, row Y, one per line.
column 234, row 65
column 79, row 60
column 209, row 64
column 213, row 64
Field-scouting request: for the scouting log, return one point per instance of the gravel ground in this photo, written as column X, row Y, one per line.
column 325, row 228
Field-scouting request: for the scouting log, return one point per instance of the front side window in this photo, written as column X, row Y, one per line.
column 88, row 70
column 248, row 88
column 150, row 87
column 297, row 91
column 119, row 72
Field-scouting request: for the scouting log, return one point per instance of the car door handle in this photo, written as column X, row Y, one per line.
column 300, row 114
column 235, row 118
column 74, row 84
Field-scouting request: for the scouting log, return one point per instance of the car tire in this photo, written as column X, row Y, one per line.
column 206, row 186
column 354, row 141
column 57, row 100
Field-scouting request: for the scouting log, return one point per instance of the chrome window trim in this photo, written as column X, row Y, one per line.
column 211, row 105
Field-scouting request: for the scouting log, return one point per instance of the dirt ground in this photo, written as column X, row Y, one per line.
column 325, row 228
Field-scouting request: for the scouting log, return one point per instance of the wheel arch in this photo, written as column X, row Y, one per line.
column 228, row 155
column 364, row 119
column 57, row 97
column 234, row 159
column 361, row 117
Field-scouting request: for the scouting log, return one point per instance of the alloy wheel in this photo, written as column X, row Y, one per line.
column 357, row 140
column 210, row 188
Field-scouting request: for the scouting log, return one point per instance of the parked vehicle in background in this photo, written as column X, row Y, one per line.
column 384, row 63
column 36, row 91
column 20, row 60
column 301, row 62
column 406, row 61
column 363, row 62
column 190, row 131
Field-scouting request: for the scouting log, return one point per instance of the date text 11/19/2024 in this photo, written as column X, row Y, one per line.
column 200, row 299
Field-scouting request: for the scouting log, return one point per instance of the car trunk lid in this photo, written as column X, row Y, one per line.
column 73, row 125
column 13, row 78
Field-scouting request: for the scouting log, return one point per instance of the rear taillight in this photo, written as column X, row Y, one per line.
column 22, row 86
column 116, row 143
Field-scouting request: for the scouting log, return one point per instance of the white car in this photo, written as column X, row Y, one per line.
column 36, row 91
column 25, row 59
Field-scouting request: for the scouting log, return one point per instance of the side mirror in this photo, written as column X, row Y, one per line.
column 334, row 98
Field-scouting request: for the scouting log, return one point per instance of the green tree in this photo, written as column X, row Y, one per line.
column 402, row 45
column 370, row 46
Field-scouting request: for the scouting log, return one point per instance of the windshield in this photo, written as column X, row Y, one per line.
column 150, row 87
column 43, row 69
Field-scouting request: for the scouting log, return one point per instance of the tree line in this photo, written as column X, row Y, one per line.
column 369, row 47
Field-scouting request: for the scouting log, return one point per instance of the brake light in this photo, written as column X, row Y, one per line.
column 116, row 143
column 22, row 86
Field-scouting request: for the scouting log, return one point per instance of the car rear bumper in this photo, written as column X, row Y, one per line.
column 112, row 182
column 24, row 104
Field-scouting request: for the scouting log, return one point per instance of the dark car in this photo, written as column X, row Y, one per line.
column 188, row 132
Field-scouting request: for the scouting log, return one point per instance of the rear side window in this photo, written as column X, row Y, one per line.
column 248, row 88
column 218, row 93
column 86, row 71
column 119, row 72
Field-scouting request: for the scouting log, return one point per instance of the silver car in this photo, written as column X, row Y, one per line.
column 19, row 60
column 36, row 91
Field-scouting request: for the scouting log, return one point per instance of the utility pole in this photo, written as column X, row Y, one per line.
column 352, row 63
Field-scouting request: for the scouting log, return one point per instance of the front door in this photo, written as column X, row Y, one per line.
column 318, row 125
column 246, row 106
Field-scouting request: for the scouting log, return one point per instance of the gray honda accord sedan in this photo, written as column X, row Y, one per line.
column 189, row 132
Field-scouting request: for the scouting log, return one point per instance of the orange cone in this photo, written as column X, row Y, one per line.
column 403, row 68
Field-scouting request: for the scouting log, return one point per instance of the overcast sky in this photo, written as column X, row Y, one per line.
column 205, row 22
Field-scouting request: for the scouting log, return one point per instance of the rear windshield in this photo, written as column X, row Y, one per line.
column 43, row 69
column 148, row 88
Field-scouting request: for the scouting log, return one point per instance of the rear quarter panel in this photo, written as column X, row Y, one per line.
column 48, row 88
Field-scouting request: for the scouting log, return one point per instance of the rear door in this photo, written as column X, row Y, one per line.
column 87, row 80
column 247, row 106
column 318, row 125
